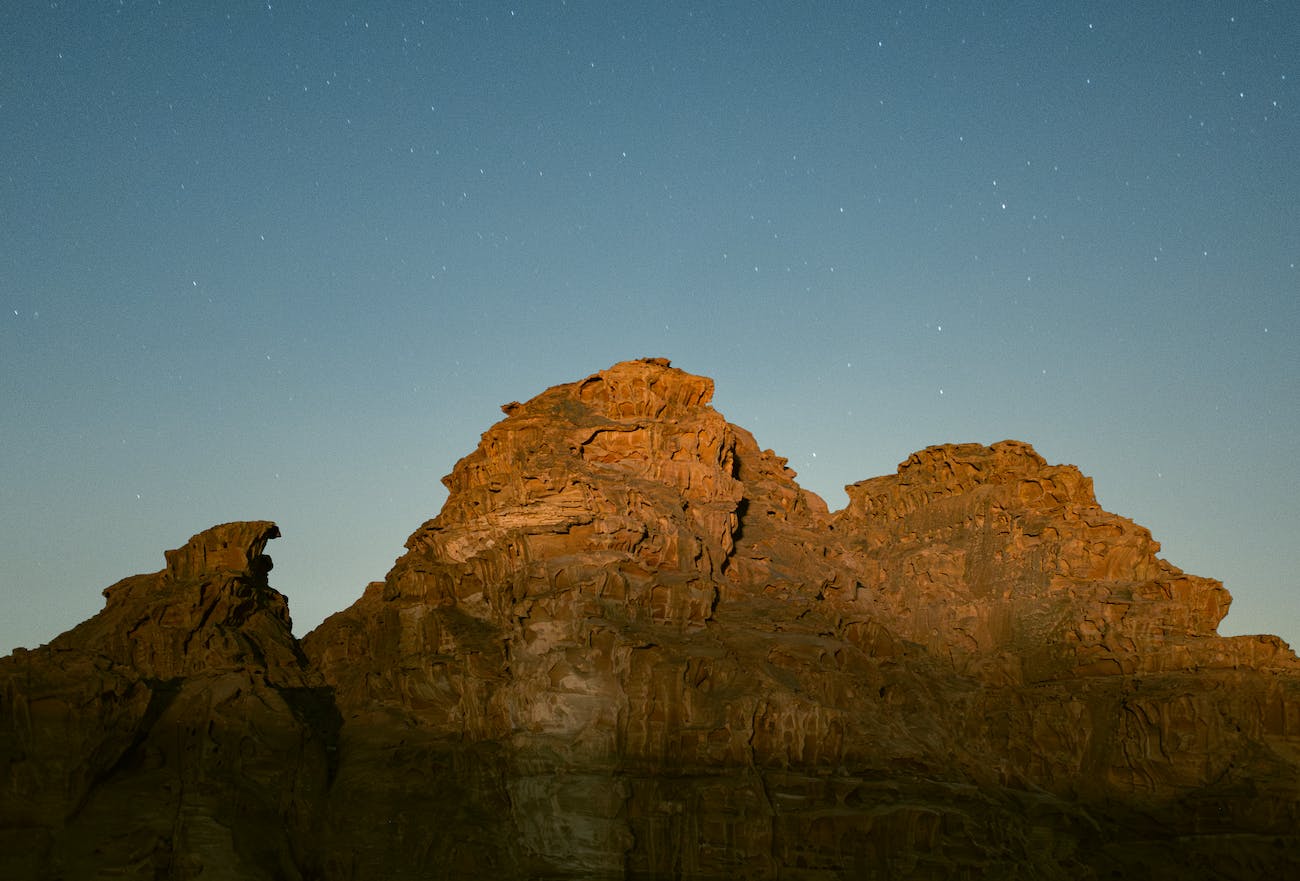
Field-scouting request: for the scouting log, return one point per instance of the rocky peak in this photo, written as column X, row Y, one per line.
column 643, row 412
column 179, row 732
column 210, row 607
column 650, row 388
column 948, row 470
column 629, row 460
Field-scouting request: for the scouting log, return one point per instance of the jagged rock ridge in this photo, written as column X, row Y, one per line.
column 631, row 645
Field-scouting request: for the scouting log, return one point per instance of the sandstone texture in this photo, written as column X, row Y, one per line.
column 630, row 645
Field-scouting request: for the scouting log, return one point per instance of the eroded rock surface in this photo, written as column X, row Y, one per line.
column 631, row 645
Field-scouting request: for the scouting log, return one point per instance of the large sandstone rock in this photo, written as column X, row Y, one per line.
column 631, row 645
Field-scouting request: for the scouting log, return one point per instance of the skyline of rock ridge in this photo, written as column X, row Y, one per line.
column 631, row 645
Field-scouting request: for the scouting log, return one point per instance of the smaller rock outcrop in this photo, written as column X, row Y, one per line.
column 176, row 732
column 1010, row 568
column 212, row 607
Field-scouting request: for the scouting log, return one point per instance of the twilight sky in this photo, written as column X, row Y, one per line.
column 277, row 260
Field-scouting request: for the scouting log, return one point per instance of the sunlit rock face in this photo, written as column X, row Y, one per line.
column 1009, row 568
column 631, row 645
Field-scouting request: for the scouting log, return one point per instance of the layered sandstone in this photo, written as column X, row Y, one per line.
column 631, row 645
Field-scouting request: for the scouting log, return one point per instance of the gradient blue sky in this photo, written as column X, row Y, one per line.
column 279, row 260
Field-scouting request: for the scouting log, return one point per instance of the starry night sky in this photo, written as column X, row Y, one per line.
column 283, row 261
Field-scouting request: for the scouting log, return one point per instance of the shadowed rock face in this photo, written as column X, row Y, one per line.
column 631, row 645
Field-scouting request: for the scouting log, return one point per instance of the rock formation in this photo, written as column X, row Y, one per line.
column 631, row 645
column 180, row 729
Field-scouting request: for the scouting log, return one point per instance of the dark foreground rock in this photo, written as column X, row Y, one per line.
column 631, row 645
